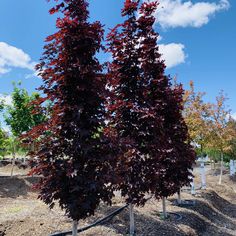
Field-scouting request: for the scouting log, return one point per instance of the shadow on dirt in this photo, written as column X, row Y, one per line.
column 233, row 178
column 145, row 226
column 214, row 215
column 222, row 205
column 13, row 187
column 200, row 225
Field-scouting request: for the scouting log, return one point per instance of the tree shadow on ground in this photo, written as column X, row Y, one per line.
column 221, row 204
column 200, row 225
column 145, row 225
column 205, row 220
column 13, row 187
column 233, row 178
column 201, row 219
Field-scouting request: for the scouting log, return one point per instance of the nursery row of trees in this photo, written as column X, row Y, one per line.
column 118, row 127
column 212, row 129
column 122, row 125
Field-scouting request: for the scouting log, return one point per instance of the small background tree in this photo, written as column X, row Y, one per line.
column 20, row 118
column 19, row 115
column 220, row 132
column 197, row 115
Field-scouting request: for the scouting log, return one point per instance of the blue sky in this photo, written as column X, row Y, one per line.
column 197, row 41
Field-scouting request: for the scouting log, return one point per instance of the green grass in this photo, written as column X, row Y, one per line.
column 15, row 209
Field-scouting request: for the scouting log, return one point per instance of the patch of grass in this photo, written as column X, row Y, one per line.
column 15, row 209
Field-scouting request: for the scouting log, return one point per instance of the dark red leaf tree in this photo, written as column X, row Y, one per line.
column 71, row 152
column 145, row 111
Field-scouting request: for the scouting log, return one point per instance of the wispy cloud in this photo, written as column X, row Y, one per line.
column 180, row 13
column 234, row 116
column 12, row 57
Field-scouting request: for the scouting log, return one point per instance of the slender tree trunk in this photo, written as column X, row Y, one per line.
column 14, row 158
column 221, row 169
column 212, row 165
column 131, row 216
column 193, row 192
column 179, row 197
column 192, row 184
column 164, row 207
column 33, row 150
column 234, row 167
column 203, row 176
column 231, row 167
column 75, row 228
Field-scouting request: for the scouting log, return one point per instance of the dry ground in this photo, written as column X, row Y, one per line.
column 214, row 214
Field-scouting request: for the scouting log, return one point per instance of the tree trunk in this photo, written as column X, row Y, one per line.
column 203, row 176
column 192, row 184
column 14, row 158
column 164, row 207
column 234, row 167
column 179, row 197
column 212, row 165
column 231, row 167
column 75, row 228
column 221, row 169
column 193, row 192
column 131, row 216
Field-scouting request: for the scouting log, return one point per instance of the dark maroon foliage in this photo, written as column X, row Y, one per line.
column 145, row 111
column 71, row 151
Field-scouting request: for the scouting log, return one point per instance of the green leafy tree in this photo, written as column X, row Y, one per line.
column 3, row 134
column 1, row 105
column 19, row 116
column 3, row 138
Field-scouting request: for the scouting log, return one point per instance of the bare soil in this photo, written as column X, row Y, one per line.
column 214, row 213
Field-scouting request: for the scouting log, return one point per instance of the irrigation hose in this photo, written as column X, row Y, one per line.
column 106, row 218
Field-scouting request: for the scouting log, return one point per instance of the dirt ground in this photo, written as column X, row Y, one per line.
column 214, row 213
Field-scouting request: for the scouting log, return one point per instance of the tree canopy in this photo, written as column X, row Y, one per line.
column 145, row 110
column 197, row 115
column 19, row 115
column 72, row 153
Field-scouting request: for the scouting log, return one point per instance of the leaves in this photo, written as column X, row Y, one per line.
column 19, row 116
column 72, row 154
column 197, row 114
column 145, row 120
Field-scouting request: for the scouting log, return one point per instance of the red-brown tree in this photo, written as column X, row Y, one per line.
column 71, row 151
column 145, row 111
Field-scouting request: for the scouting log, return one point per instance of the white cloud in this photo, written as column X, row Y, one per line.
column 172, row 53
column 6, row 99
column 180, row 13
column 234, row 116
column 13, row 57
